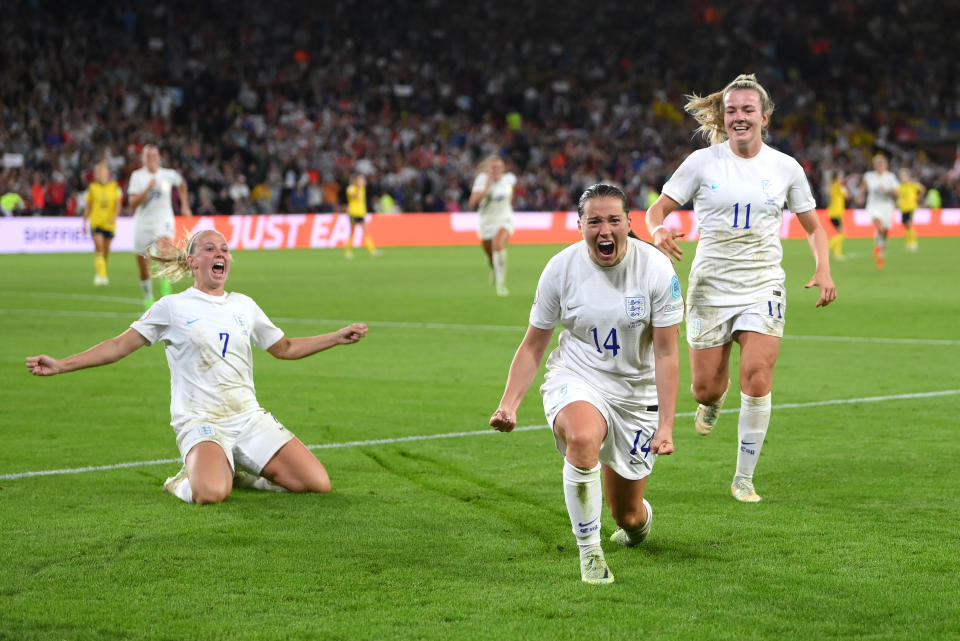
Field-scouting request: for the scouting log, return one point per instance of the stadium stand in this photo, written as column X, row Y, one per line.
column 269, row 107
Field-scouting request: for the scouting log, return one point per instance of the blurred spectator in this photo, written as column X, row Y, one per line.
column 11, row 203
column 262, row 197
column 56, row 196
column 239, row 193
column 38, row 194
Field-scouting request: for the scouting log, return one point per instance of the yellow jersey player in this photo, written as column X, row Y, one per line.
column 909, row 194
column 104, row 201
column 357, row 210
column 837, row 204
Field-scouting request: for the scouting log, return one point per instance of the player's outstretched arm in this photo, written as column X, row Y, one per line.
column 817, row 239
column 294, row 348
column 524, row 367
column 667, row 372
column 109, row 351
column 663, row 239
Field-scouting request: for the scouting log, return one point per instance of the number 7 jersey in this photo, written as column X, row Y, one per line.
column 739, row 206
column 207, row 340
column 608, row 315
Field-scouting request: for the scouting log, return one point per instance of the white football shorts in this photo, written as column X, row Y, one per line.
column 249, row 439
column 144, row 233
column 883, row 214
column 489, row 225
column 714, row 326
column 626, row 447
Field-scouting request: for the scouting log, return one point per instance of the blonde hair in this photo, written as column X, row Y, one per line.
column 708, row 110
column 172, row 259
column 484, row 166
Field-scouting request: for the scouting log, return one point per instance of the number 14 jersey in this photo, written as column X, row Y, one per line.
column 608, row 315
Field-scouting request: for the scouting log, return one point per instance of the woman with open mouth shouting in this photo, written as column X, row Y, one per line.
column 610, row 392
column 225, row 438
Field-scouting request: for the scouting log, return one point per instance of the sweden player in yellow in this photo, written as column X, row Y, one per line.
column 104, row 201
column 909, row 194
column 357, row 210
column 835, row 208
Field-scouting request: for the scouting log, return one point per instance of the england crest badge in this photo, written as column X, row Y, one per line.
column 636, row 307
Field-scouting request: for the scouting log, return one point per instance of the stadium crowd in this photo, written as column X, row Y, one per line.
column 271, row 107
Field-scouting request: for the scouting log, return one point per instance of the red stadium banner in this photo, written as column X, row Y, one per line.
column 315, row 231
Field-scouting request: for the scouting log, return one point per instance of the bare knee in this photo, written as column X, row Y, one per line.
column 756, row 381
column 316, row 480
column 709, row 391
column 584, row 443
column 211, row 491
column 319, row 483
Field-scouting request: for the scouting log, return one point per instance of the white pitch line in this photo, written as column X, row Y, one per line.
column 74, row 296
column 465, row 327
column 429, row 437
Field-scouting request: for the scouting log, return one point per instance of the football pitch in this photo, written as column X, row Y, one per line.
column 440, row 528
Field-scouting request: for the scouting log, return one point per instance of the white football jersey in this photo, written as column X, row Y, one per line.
column 880, row 203
column 157, row 207
column 498, row 203
column 207, row 341
column 739, row 206
column 608, row 315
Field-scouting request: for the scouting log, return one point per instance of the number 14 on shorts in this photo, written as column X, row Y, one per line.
column 609, row 343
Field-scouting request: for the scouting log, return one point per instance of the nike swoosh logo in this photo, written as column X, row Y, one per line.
column 587, row 523
column 193, row 321
column 714, row 186
column 750, row 443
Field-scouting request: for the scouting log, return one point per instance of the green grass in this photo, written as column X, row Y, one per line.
column 466, row 537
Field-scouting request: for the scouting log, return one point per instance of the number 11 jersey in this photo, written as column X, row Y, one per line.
column 739, row 206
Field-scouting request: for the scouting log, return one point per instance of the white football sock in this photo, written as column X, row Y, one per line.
column 584, row 497
column 751, row 429
column 255, row 482
column 500, row 266
column 182, row 490
column 147, row 287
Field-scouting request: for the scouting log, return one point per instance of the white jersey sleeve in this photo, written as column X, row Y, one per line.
column 139, row 180
column 545, row 312
column 480, row 182
column 264, row 333
column 155, row 322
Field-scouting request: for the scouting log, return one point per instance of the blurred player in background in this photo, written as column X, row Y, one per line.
column 909, row 193
column 610, row 392
column 492, row 196
column 836, row 206
column 208, row 333
column 150, row 191
column 104, row 201
column 357, row 211
column 737, row 290
column 879, row 191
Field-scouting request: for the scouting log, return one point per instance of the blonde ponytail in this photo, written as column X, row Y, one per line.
column 708, row 110
column 171, row 260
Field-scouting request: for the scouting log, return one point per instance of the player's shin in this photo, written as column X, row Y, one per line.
column 584, row 497
column 751, row 429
